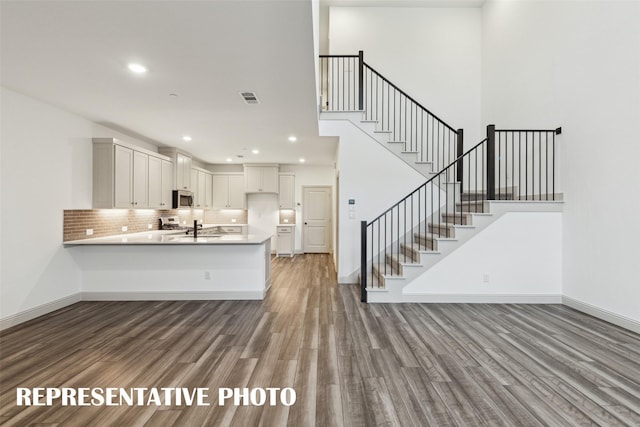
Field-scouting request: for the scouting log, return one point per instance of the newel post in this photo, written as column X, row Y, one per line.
column 460, row 163
column 491, row 162
column 360, row 80
column 363, row 261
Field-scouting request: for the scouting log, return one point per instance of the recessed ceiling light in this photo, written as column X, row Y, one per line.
column 255, row 151
column 137, row 68
column 186, row 138
column 302, row 160
column 292, row 139
column 229, row 159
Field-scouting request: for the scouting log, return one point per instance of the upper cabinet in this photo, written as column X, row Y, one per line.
column 124, row 176
column 202, row 187
column 160, row 183
column 286, row 196
column 228, row 191
column 182, row 168
column 261, row 178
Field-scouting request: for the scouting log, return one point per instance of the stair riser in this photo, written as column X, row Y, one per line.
column 442, row 230
column 472, row 207
column 429, row 243
column 413, row 256
column 403, row 257
column 457, row 219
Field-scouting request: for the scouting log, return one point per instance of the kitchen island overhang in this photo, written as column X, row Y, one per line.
column 156, row 266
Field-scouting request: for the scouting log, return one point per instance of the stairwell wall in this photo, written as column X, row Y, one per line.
column 371, row 175
column 433, row 54
column 577, row 64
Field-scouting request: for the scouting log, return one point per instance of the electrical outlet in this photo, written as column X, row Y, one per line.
column 125, row 228
column 89, row 231
column 149, row 226
column 286, row 220
column 485, row 278
column 207, row 275
column 233, row 220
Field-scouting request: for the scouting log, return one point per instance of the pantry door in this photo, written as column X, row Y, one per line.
column 316, row 216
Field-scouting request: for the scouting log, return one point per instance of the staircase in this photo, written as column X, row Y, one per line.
column 511, row 170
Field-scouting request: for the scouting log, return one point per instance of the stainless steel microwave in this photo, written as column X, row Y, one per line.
column 182, row 199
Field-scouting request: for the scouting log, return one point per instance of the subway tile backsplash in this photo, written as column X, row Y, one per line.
column 109, row 222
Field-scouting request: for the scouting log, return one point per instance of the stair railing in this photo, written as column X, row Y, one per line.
column 494, row 169
column 347, row 83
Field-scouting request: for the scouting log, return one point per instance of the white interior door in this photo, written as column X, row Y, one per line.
column 316, row 215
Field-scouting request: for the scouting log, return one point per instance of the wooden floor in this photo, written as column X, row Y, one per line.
column 351, row 364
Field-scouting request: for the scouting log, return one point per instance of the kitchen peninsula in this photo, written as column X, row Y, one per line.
column 161, row 265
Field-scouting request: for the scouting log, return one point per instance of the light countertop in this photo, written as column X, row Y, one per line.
column 170, row 237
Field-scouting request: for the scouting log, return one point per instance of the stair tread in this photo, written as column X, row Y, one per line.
column 382, row 131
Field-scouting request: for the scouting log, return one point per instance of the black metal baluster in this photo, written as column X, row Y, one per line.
column 546, row 166
column 363, row 261
column 519, row 165
column 526, row 165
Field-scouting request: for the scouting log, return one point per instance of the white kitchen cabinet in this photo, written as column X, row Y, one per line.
column 286, row 195
column 160, row 183
column 228, row 191
column 184, row 176
column 202, row 183
column 182, row 165
column 121, row 176
column 131, row 178
column 286, row 240
column 140, row 180
column 261, row 179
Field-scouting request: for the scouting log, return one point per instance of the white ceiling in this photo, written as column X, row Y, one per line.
column 74, row 54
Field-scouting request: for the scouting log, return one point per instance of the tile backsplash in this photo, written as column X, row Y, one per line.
column 109, row 222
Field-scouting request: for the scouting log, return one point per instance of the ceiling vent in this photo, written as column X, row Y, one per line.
column 250, row 97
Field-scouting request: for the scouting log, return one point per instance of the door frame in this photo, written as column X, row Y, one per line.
column 331, row 219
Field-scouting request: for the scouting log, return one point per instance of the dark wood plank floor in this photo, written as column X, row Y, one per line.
column 351, row 364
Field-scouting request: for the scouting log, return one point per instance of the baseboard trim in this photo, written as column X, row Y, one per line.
column 173, row 296
column 41, row 310
column 483, row 298
column 602, row 314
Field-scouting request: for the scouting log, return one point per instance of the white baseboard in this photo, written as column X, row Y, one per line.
column 172, row 296
column 41, row 310
column 600, row 313
column 483, row 298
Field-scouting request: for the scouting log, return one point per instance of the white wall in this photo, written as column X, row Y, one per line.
column 46, row 168
column 374, row 177
column 577, row 64
column 433, row 54
column 521, row 253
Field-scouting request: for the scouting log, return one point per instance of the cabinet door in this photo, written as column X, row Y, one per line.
column 123, row 170
column 201, row 198
column 183, row 172
column 194, row 188
column 287, row 191
column 237, row 197
column 155, row 182
column 140, row 180
column 220, row 191
column 269, row 179
column 167, row 185
column 253, row 179
column 208, row 191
